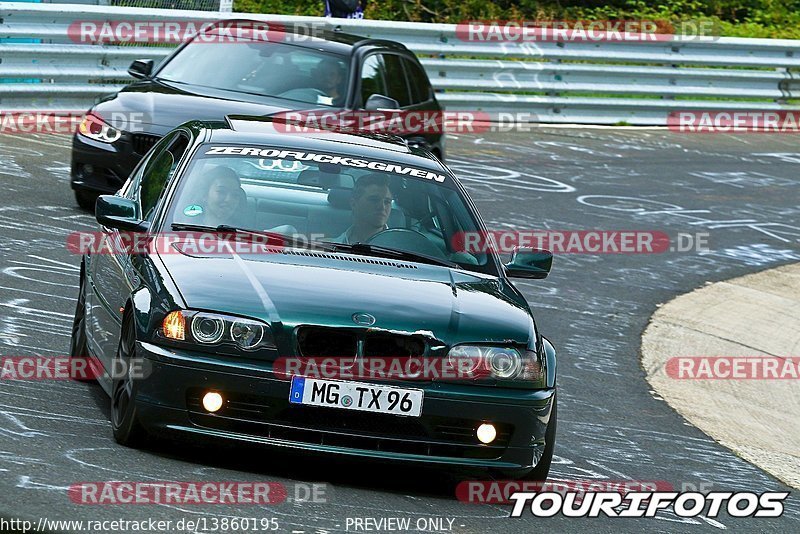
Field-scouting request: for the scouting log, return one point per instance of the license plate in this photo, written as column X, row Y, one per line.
column 356, row 396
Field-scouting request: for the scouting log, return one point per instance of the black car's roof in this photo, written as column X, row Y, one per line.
column 262, row 131
column 323, row 39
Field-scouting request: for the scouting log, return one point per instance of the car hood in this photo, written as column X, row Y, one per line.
column 157, row 107
column 290, row 289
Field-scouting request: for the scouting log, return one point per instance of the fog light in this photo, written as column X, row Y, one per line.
column 212, row 401
column 486, row 433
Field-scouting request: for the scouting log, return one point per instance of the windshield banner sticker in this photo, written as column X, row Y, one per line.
column 324, row 158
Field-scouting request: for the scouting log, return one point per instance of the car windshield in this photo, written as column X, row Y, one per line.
column 262, row 68
column 318, row 197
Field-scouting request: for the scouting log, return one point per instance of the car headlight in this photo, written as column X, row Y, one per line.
column 205, row 329
column 466, row 359
column 504, row 364
column 95, row 128
column 247, row 334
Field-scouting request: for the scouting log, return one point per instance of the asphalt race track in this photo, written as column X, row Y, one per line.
column 741, row 190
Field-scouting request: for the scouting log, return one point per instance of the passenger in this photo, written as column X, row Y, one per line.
column 224, row 201
column 371, row 203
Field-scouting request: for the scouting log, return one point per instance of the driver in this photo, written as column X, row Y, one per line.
column 371, row 203
column 329, row 73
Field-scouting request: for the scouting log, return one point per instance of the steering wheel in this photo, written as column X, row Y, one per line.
column 408, row 240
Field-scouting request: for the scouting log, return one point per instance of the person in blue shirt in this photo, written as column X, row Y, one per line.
column 345, row 9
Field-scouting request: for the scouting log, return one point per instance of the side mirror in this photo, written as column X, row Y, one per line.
column 141, row 68
column 378, row 102
column 529, row 263
column 119, row 213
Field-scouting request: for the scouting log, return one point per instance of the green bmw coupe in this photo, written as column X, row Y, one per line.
column 237, row 257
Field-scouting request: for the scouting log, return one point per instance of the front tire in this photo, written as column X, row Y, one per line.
column 85, row 200
column 125, row 423
column 542, row 469
column 78, row 350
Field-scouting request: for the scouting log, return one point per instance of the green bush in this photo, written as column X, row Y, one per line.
column 740, row 18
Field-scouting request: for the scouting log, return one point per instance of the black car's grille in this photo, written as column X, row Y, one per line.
column 314, row 341
column 144, row 142
column 273, row 418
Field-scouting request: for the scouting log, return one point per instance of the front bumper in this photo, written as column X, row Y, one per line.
column 257, row 411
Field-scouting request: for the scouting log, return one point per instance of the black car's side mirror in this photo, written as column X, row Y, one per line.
column 529, row 263
column 141, row 68
column 377, row 102
column 119, row 213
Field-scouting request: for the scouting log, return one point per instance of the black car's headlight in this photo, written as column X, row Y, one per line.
column 96, row 128
column 206, row 329
column 502, row 364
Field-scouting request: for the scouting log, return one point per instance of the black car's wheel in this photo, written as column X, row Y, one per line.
column 85, row 200
column 125, row 423
column 542, row 469
column 77, row 344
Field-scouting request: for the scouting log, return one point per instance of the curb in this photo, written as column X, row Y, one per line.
column 754, row 315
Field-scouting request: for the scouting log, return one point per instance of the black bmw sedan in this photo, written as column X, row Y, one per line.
column 209, row 78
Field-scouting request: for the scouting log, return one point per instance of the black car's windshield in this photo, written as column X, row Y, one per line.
column 317, row 197
column 262, row 68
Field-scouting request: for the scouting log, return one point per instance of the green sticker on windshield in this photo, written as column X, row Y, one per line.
column 193, row 210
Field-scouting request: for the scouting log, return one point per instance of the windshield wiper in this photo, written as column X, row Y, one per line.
column 206, row 228
column 375, row 250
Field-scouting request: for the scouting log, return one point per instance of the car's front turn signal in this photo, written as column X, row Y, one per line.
column 174, row 326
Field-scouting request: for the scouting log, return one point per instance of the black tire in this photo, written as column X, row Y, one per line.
column 125, row 423
column 85, row 200
column 77, row 344
column 542, row 469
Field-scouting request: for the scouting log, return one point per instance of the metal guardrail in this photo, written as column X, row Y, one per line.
column 602, row 82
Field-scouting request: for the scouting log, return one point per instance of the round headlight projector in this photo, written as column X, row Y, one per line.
column 505, row 363
column 247, row 334
column 208, row 329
